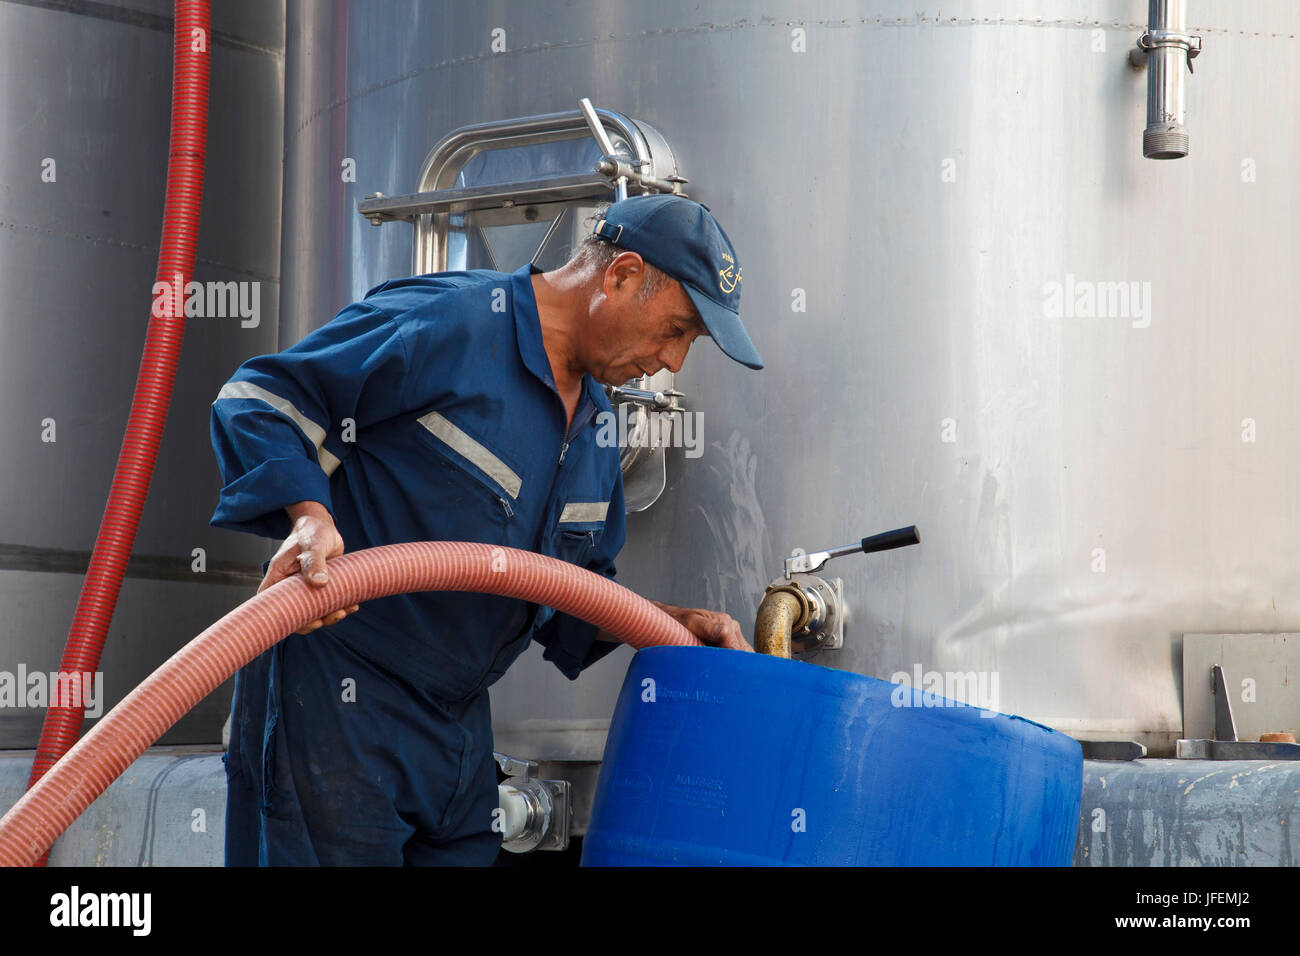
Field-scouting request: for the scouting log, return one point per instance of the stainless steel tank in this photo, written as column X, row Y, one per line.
column 982, row 312
column 84, row 119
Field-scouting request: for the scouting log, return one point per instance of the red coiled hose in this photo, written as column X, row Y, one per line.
column 153, row 389
column 33, row 823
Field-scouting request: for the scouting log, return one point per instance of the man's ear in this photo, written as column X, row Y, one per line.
column 621, row 264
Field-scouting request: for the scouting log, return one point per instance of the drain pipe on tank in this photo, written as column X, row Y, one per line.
column 1164, row 50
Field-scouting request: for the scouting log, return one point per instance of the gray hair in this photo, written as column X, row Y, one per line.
column 594, row 255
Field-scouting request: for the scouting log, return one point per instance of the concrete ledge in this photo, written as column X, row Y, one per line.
column 1189, row 813
column 168, row 809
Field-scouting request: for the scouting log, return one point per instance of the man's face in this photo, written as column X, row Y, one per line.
column 629, row 337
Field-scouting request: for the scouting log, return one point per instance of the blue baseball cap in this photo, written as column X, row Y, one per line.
column 681, row 238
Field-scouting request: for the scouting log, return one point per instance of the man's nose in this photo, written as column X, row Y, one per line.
column 672, row 358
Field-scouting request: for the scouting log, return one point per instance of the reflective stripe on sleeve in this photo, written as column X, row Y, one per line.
column 468, row 448
column 584, row 511
column 315, row 434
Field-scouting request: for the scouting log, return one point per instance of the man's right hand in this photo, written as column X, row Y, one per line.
column 312, row 542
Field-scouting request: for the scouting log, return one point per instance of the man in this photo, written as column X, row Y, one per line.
column 458, row 406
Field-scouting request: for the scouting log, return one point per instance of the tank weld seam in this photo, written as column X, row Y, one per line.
column 139, row 247
column 548, row 45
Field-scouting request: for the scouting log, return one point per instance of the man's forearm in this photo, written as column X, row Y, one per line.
column 611, row 639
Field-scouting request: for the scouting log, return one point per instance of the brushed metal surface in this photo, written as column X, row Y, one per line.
column 934, row 185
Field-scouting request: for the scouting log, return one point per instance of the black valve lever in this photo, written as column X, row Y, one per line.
column 898, row 538
column 887, row 540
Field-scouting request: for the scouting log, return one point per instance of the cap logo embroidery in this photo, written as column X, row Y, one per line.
column 729, row 278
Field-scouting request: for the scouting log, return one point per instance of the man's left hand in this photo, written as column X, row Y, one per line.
column 712, row 627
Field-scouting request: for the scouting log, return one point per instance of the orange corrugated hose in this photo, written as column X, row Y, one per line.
column 124, row 733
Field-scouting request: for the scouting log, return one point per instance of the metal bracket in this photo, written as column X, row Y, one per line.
column 1236, row 750
column 1225, row 745
column 618, row 170
column 665, row 400
column 644, row 441
column 1153, row 39
column 1225, row 728
column 379, row 208
column 1112, row 750
column 514, row 767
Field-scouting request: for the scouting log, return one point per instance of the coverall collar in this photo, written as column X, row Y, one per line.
column 528, row 329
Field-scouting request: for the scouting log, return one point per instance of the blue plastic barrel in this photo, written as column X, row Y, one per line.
column 718, row 757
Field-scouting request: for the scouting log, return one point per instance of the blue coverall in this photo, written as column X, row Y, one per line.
column 370, row 742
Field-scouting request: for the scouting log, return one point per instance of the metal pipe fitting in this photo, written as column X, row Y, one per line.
column 534, row 814
column 782, row 611
column 1165, row 49
column 519, row 812
column 526, row 809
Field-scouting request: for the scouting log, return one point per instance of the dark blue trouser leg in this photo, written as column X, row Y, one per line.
column 243, row 797
column 334, row 761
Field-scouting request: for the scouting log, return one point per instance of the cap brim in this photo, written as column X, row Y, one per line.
column 725, row 329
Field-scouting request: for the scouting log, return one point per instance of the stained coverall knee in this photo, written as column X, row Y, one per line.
column 335, row 761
